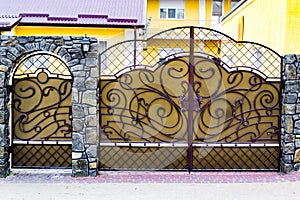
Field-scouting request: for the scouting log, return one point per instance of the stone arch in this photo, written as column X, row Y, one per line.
column 41, row 103
column 85, row 70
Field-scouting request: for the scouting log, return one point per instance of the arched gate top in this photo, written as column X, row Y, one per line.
column 184, row 41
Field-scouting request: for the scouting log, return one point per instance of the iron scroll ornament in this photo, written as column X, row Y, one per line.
column 237, row 106
column 145, row 105
column 42, row 108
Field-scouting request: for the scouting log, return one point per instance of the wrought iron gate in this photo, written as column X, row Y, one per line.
column 189, row 99
column 41, row 110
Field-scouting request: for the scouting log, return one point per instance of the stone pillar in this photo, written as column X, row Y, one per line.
column 4, row 116
column 85, row 113
column 85, row 70
column 290, row 138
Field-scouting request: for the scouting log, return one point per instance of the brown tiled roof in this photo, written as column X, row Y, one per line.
column 97, row 13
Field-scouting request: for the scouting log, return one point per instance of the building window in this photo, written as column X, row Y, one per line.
column 180, row 13
column 234, row 3
column 163, row 13
column 217, row 8
column 172, row 9
column 171, row 13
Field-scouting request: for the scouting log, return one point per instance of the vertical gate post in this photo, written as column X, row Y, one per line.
column 190, row 100
column 290, row 138
column 4, row 158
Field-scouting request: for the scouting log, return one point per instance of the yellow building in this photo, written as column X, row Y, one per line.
column 111, row 21
column 166, row 14
column 274, row 23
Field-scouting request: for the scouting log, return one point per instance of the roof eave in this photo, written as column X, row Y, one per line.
column 82, row 25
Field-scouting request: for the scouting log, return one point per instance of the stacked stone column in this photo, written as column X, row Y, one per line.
column 85, row 113
column 85, row 70
column 290, row 132
column 4, row 141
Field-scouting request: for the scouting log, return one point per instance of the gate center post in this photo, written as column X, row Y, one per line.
column 190, row 101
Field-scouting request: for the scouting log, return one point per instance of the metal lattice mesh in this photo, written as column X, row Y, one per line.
column 46, row 156
column 176, row 42
column 144, row 98
column 141, row 158
column 28, row 66
column 249, row 158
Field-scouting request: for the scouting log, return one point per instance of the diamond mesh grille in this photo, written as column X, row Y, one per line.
column 241, row 158
column 142, row 158
column 46, row 156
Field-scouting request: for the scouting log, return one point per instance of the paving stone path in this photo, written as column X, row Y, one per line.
column 48, row 176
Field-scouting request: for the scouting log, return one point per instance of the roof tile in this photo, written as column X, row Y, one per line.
column 74, row 12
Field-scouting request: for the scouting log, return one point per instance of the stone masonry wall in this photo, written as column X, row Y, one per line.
column 290, row 133
column 85, row 71
column 4, row 142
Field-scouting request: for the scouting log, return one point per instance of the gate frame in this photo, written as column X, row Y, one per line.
column 21, row 59
column 191, row 53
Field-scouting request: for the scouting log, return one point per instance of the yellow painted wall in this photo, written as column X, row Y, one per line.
column 292, row 44
column 227, row 6
column 191, row 15
column 265, row 23
column 113, row 35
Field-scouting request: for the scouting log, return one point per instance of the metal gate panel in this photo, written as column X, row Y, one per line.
column 41, row 113
column 190, row 93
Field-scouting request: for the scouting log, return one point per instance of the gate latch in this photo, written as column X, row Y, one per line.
column 195, row 103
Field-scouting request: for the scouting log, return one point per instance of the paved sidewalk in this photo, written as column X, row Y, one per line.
column 64, row 176
column 36, row 185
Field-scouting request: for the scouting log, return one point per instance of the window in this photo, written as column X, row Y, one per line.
column 171, row 13
column 234, row 3
column 180, row 13
column 172, row 9
column 163, row 13
column 217, row 8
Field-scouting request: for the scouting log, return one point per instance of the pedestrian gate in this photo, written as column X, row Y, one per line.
column 189, row 98
column 41, row 110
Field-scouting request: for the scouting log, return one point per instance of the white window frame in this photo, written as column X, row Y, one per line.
column 214, row 16
column 177, row 16
column 178, row 5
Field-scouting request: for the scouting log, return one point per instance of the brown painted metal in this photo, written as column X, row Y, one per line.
column 41, row 113
column 196, row 100
column 191, row 102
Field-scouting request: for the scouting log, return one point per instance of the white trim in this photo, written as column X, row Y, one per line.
column 208, row 145
column 202, row 12
column 41, row 142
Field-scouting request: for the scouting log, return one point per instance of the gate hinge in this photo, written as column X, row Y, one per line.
column 9, row 88
column 10, row 149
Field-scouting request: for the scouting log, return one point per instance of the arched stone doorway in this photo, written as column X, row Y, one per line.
column 41, row 112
